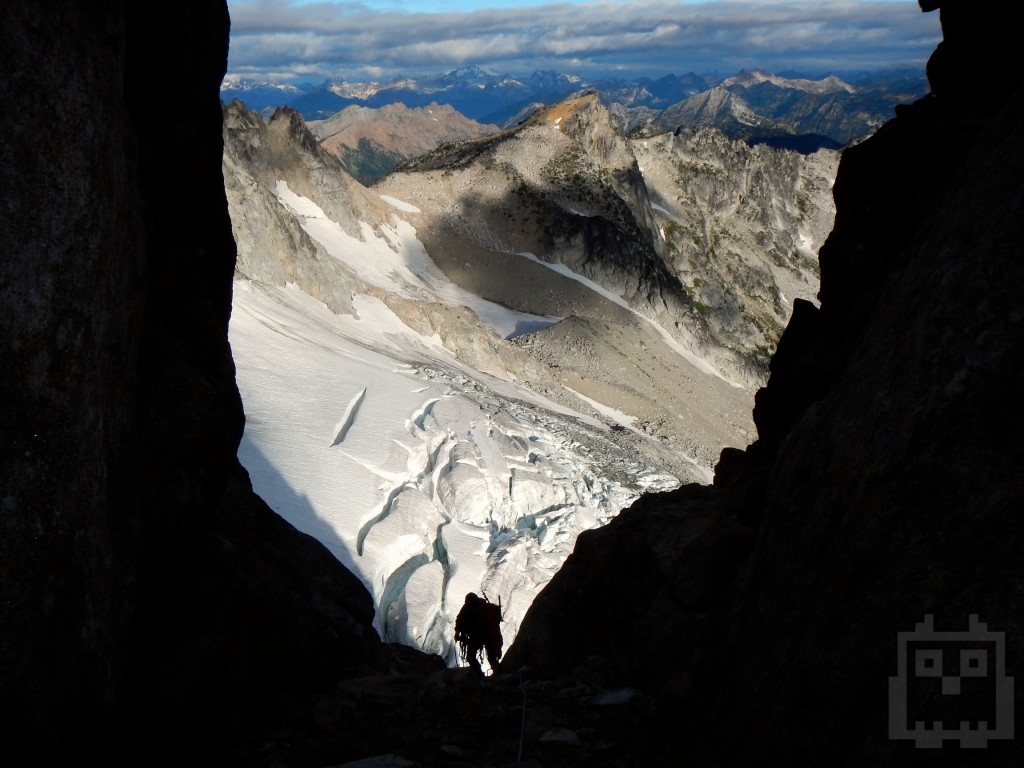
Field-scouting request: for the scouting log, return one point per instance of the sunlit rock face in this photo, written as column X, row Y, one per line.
column 884, row 484
column 711, row 238
column 741, row 226
column 371, row 142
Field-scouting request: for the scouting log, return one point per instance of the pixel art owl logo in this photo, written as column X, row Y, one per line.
column 951, row 686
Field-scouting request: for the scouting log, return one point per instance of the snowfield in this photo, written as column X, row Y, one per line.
column 397, row 262
column 425, row 478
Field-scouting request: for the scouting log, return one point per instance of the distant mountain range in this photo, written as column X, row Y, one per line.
column 752, row 105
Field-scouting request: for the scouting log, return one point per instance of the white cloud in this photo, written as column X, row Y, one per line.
column 651, row 37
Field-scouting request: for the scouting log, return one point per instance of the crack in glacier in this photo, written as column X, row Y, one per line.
column 343, row 426
column 385, row 510
column 419, row 417
column 394, row 592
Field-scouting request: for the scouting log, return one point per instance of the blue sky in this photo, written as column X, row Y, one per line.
column 312, row 40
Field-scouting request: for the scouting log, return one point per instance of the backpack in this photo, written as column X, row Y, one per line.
column 493, row 640
column 478, row 628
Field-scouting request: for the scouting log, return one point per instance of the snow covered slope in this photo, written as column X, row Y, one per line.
column 389, row 416
column 426, row 479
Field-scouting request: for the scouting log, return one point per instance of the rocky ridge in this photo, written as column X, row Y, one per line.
column 271, row 246
column 674, row 237
column 603, row 351
column 567, row 191
column 371, row 142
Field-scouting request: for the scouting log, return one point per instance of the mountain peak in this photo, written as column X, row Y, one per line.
column 747, row 78
column 567, row 109
column 488, row 96
column 471, row 73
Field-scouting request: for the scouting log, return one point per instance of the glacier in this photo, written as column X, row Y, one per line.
column 426, row 478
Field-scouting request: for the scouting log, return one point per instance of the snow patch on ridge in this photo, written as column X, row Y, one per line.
column 400, row 204
column 394, row 260
column 673, row 344
column 615, row 415
column 629, row 422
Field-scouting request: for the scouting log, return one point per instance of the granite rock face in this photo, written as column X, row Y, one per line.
column 741, row 227
column 272, row 247
column 69, row 281
column 710, row 237
column 146, row 595
column 887, row 481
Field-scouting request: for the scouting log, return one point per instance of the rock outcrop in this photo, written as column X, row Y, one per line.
column 272, row 247
column 710, row 237
column 886, row 482
column 150, row 604
column 741, row 226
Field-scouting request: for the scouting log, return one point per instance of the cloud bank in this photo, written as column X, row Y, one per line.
column 284, row 39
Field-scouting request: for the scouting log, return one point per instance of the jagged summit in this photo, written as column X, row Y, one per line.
column 828, row 106
column 567, row 108
column 371, row 142
column 749, row 78
column 721, row 109
column 472, row 74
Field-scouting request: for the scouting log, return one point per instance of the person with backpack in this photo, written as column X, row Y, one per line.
column 478, row 630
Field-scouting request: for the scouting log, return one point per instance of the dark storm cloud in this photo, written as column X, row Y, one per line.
column 276, row 38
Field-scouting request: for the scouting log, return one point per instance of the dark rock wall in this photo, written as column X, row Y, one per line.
column 887, row 482
column 189, row 408
column 152, row 607
column 70, row 278
column 898, row 493
column 147, row 596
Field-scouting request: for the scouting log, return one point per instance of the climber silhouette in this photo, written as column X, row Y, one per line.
column 477, row 629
